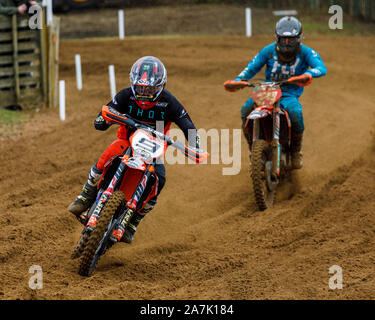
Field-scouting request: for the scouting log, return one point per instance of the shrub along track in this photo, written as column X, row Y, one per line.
column 205, row 239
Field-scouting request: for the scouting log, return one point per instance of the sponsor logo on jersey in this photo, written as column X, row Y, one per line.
column 162, row 104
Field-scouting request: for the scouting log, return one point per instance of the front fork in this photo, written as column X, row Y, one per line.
column 114, row 185
column 275, row 144
column 131, row 205
column 133, row 202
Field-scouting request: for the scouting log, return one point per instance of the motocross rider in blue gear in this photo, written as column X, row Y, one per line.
column 285, row 59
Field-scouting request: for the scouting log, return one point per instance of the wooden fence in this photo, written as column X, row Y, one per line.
column 28, row 63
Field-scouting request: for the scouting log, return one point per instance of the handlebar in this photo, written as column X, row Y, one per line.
column 112, row 115
column 270, row 83
column 236, row 85
column 302, row 80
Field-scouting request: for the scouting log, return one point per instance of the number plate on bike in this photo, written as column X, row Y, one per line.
column 266, row 95
column 146, row 146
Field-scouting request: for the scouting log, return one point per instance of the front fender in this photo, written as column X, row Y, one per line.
column 259, row 113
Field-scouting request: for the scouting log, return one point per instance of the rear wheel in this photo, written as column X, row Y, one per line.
column 91, row 254
column 261, row 159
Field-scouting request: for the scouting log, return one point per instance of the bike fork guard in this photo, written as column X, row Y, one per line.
column 133, row 202
column 119, row 230
column 95, row 215
column 276, row 148
column 256, row 129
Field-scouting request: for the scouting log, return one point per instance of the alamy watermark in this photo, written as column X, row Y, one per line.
column 336, row 21
column 35, row 17
column 335, row 282
column 217, row 142
column 224, row 147
column 36, row 280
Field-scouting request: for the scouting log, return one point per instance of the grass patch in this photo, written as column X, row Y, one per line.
column 10, row 121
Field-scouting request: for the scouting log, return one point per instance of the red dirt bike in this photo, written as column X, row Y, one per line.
column 270, row 159
column 122, row 188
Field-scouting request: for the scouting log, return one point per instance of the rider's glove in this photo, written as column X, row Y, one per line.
column 233, row 85
column 302, row 80
column 100, row 123
column 196, row 154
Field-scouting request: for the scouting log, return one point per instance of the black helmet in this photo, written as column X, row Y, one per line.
column 148, row 78
column 288, row 38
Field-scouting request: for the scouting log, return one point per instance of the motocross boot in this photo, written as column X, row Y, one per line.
column 134, row 222
column 88, row 194
column 296, row 147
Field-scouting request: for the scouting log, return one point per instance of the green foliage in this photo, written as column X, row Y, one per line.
column 9, row 120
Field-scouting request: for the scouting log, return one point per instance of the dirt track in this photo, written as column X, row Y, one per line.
column 209, row 243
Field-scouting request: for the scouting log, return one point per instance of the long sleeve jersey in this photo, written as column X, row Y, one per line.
column 307, row 61
column 167, row 110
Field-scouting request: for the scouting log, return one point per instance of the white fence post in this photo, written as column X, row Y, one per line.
column 121, row 24
column 78, row 72
column 112, row 80
column 49, row 12
column 248, row 22
column 62, row 99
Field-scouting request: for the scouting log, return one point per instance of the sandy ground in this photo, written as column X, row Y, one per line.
column 205, row 239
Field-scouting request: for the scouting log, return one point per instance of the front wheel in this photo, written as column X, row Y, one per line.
column 97, row 243
column 85, row 235
column 261, row 165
